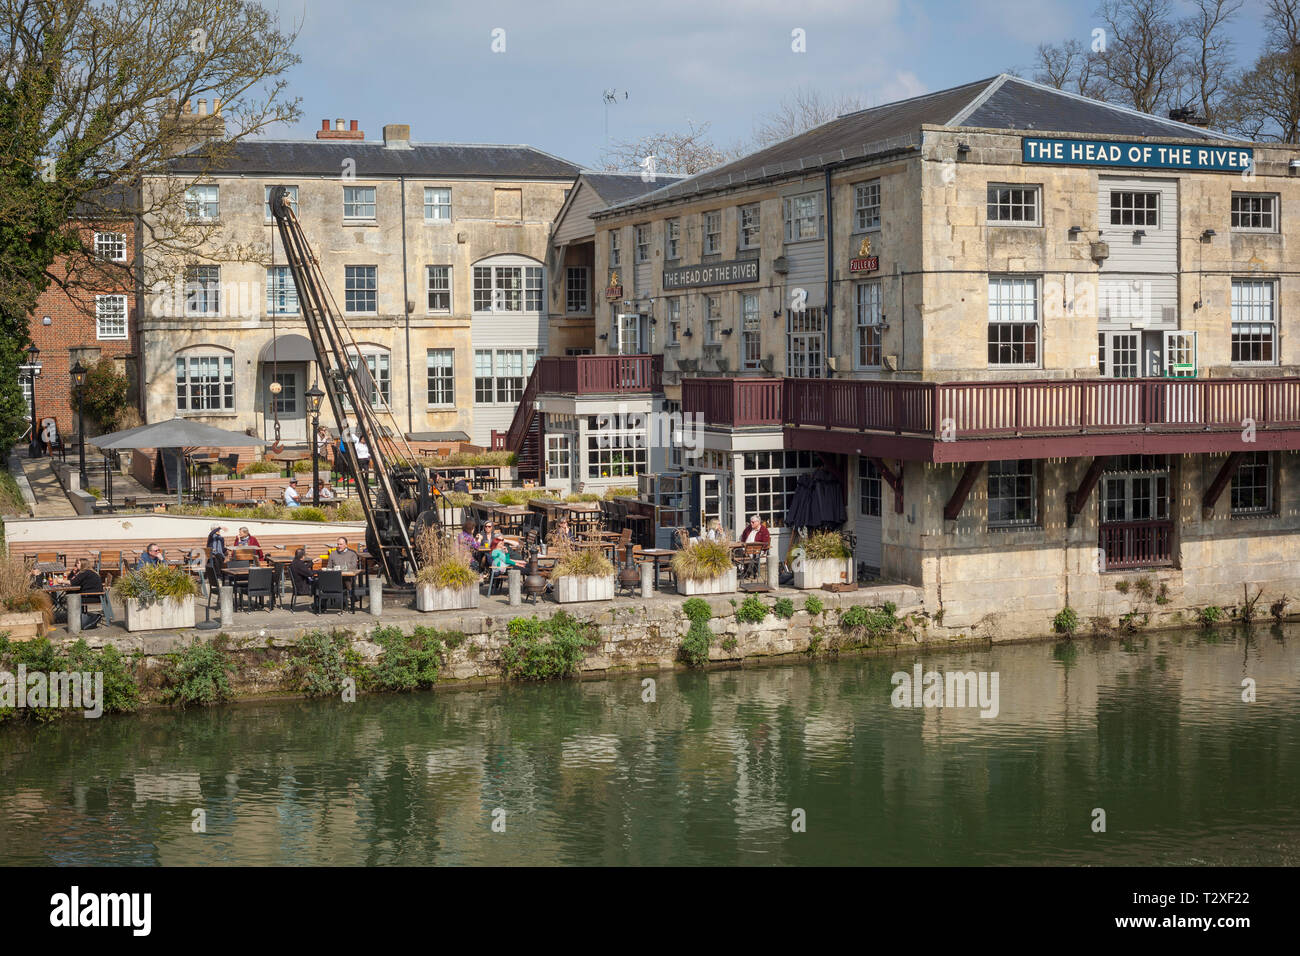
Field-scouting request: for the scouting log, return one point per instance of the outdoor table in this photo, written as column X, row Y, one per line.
column 659, row 557
column 609, row 547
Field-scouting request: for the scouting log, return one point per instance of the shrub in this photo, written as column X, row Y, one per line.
column 1121, row 587
column 752, row 610
column 813, row 605
column 410, row 661
column 1066, row 620
column 259, row 468
column 104, row 393
column 307, row 513
column 697, row 610
column 698, row 639
column 198, row 675
column 729, row 643
column 573, row 563
column 873, row 621
column 458, row 499
column 349, row 510
column 1278, row 608
column 622, row 491
column 540, row 649
column 442, row 565
column 156, row 582
column 120, row 692
column 1209, row 616
column 783, row 608
column 319, row 666
column 303, row 466
column 822, row 546
column 702, row 561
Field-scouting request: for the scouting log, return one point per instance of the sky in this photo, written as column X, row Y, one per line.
column 432, row 64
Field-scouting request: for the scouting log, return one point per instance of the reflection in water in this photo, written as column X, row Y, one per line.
column 1152, row 730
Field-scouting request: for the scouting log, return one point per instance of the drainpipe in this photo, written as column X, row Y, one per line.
column 406, row 311
column 830, row 273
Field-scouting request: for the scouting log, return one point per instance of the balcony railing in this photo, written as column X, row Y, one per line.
column 600, row 374
column 1137, row 544
column 962, row 410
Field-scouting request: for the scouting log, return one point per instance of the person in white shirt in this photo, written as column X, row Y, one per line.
column 363, row 458
column 324, row 491
column 291, row 493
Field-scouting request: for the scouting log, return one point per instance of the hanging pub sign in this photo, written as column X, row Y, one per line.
column 865, row 261
column 712, row 273
column 1089, row 152
column 615, row 288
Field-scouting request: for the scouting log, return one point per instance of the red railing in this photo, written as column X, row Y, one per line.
column 523, row 417
column 600, row 374
column 1137, row 544
column 998, row 409
column 734, row 401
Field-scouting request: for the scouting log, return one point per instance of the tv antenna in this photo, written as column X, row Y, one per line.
column 611, row 96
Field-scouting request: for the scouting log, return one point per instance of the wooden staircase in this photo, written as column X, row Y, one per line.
column 524, row 437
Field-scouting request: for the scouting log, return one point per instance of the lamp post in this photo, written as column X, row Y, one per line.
column 33, row 369
column 314, row 398
column 79, row 380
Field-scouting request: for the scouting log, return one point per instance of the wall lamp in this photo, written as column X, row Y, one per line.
column 1294, row 166
column 603, row 336
column 1207, row 235
column 726, row 331
column 1074, row 231
column 687, row 332
column 1139, row 233
column 963, row 149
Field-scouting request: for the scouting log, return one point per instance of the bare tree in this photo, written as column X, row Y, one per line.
column 93, row 104
column 1072, row 67
column 676, row 152
column 1264, row 101
column 1209, row 58
column 1144, row 60
column 799, row 112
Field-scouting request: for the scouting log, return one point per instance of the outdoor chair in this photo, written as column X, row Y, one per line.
column 260, row 585
column 108, row 561
column 230, row 461
column 329, row 590
column 239, row 563
column 300, row 587
column 258, row 493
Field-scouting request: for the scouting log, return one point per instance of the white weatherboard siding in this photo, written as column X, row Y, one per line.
column 577, row 224
column 504, row 330
column 1138, row 286
column 807, row 264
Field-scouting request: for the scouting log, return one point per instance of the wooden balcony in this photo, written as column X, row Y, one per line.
column 599, row 374
column 974, row 421
column 1137, row 544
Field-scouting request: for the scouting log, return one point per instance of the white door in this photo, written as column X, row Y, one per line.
column 629, row 334
column 714, row 502
column 867, row 526
column 1121, row 354
column 288, row 404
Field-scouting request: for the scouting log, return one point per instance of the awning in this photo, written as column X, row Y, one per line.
column 287, row 348
column 436, row 436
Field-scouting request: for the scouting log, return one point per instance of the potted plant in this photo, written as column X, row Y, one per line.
column 582, row 576
column 25, row 612
column 445, row 581
column 156, row 597
column 705, row 567
column 821, row 558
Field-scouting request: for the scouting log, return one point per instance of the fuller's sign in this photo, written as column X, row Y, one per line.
column 615, row 288
column 865, row 261
column 712, row 273
column 1088, row 152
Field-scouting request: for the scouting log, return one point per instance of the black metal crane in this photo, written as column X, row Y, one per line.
column 400, row 503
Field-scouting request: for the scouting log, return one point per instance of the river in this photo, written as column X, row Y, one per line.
column 800, row 763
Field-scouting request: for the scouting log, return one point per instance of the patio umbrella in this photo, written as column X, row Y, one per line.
column 800, row 502
column 178, row 433
column 816, row 502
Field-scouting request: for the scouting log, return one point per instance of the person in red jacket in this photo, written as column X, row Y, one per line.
column 756, row 531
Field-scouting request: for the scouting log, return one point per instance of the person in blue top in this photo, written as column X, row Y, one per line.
column 151, row 555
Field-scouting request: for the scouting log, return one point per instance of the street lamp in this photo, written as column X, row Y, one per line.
column 314, row 398
column 33, row 369
column 79, row 380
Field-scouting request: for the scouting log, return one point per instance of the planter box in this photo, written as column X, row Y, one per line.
column 570, row 590
column 809, row 575
column 23, row 625
column 429, row 598
column 162, row 615
column 721, row 585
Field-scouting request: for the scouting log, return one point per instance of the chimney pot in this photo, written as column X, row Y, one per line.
column 203, row 107
column 397, row 135
column 325, row 125
column 353, row 127
column 338, row 125
column 216, row 106
column 187, row 106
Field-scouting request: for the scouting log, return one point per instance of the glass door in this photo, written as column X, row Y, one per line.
column 1121, row 354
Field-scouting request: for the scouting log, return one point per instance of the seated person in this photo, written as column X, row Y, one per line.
column 500, row 557
column 246, row 540
column 714, row 531
column 466, row 542
column 461, row 485
column 324, row 492
column 342, row 557
column 562, row 532
column 87, row 581
column 151, row 555
column 291, row 494
column 301, row 572
column 756, row 531
column 486, row 536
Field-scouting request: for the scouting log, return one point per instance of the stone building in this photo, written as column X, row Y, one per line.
column 1039, row 339
column 434, row 254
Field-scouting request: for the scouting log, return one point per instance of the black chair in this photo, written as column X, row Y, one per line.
column 329, row 589
column 260, row 584
column 303, row 586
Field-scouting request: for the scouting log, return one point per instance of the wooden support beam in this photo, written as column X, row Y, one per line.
column 894, row 480
column 1075, row 500
column 1229, row 468
column 953, row 508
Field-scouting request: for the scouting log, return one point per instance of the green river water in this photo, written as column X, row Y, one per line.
column 1152, row 730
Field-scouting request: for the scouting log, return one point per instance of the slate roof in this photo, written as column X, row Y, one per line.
column 619, row 187
column 426, row 160
column 998, row 102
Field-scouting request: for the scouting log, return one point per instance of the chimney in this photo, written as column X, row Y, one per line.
column 203, row 107
column 335, row 130
column 397, row 136
column 189, row 127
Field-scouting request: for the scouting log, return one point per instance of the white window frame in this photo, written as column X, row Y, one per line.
column 356, row 199
column 1251, row 467
column 711, row 232
column 430, row 290
column 621, row 436
column 559, row 456
column 203, row 202
column 749, row 226
column 372, row 289
column 751, row 332
column 1009, row 313
column 110, row 246
column 203, row 288
column 266, row 201
column 435, row 204
column 767, row 483
column 1014, row 204
column 500, row 378
column 674, row 320
column 577, row 294
column 712, row 319
column 998, row 474
column 440, row 377
column 1254, row 315
column 641, row 235
column 197, row 393
column 110, row 309
column 868, row 302
column 1266, row 212
column 278, row 289
column 509, row 288
column 805, row 343
column 870, row 492
column 615, row 249
column 866, row 205
column 799, row 219
column 1123, row 201
column 672, row 239
column 381, row 373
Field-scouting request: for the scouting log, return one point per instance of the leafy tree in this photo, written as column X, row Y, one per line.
column 104, row 394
